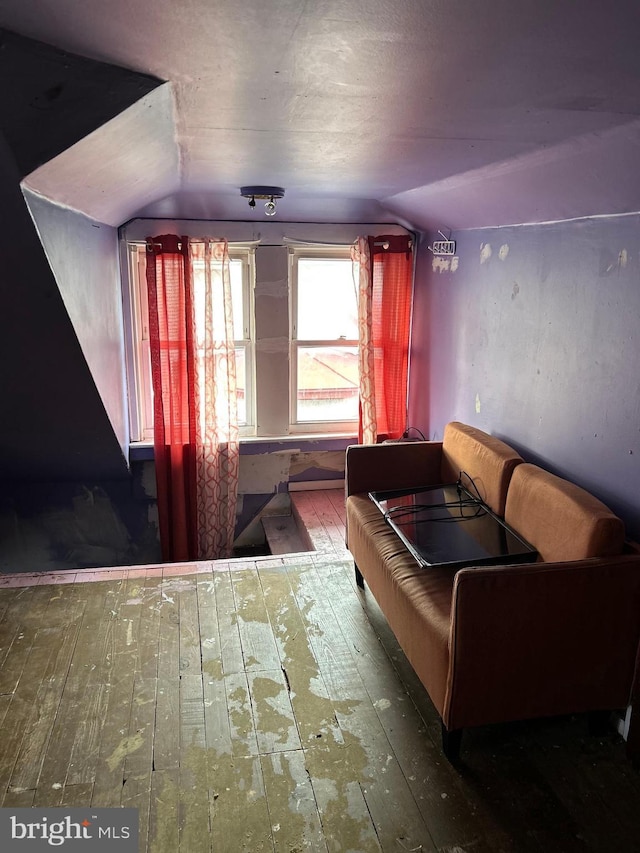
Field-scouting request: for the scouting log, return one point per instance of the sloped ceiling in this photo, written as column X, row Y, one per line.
column 454, row 113
column 120, row 166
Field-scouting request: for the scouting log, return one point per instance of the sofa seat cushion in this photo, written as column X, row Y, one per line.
column 416, row 602
column 561, row 520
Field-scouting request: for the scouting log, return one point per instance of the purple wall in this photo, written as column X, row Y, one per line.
column 532, row 334
column 83, row 255
column 54, row 425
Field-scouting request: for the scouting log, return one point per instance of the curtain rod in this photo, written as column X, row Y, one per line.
column 295, row 242
column 150, row 244
column 383, row 243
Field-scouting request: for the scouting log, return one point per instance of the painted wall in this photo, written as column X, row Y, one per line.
column 531, row 333
column 53, row 424
column 83, row 255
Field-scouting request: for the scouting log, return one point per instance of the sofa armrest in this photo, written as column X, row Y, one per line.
column 400, row 465
column 542, row 639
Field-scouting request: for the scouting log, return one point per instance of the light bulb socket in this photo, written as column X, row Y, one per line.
column 262, row 192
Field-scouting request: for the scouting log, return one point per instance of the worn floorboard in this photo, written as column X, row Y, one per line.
column 264, row 705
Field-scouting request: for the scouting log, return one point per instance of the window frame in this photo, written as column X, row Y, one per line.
column 312, row 252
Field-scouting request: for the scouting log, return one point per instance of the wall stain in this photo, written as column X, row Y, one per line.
column 610, row 262
column 440, row 264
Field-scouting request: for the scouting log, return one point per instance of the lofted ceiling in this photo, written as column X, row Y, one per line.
column 431, row 113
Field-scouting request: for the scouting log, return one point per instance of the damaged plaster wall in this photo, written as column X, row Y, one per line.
column 57, row 526
column 268, row 468
column 54, row 526
column 266, row 472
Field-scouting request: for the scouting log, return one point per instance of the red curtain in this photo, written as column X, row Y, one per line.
column 172, row 368
column 385, row 294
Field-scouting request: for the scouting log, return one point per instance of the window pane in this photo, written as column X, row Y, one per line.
column 237, row 302
column 235, row 275
column 327, row 301
column 327, row 383
column 241, row 385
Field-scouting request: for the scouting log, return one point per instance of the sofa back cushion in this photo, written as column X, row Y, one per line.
column 486, row 460
column 561, row 520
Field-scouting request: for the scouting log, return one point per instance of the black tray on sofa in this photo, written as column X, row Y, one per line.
column 446, row 525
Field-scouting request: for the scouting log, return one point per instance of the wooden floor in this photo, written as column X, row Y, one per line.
column 263, row 705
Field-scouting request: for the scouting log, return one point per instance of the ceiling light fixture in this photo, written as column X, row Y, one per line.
column 268, row 193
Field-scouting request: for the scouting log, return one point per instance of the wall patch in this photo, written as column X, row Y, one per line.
column 440, row 264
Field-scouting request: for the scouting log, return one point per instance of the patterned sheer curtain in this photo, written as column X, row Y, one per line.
column 385, row 275
column 193, row 373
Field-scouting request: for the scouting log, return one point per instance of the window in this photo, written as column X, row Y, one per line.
column 296, row 339
column 324, row 340
column 139, row 360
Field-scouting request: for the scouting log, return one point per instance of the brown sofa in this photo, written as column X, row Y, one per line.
column 508, row 642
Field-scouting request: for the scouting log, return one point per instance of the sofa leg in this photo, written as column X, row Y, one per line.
column 359, row 578
column 598, row 723
column 451, row 741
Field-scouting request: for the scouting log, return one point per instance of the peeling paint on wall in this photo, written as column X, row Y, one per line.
column 263, row 474
column 504, row 251
column 610, row 263
column 485, row 252
column 328, row 460
column 440, row 264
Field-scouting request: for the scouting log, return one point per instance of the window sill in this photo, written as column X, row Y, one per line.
column 142, row 451
column 297, row 437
